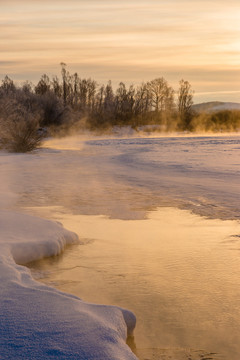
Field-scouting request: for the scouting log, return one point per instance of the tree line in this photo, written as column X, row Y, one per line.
column 152, row 102
column 72, row 100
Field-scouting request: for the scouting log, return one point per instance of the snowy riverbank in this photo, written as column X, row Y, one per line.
column 40, row 322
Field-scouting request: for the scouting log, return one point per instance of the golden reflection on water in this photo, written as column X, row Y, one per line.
column 178, row 272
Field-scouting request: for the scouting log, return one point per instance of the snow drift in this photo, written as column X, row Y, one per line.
column 39, row 322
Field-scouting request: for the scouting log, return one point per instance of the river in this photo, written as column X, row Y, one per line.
column 158, row 221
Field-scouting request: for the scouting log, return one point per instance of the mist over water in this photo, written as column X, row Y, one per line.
column 176, row 270
column 123, row 178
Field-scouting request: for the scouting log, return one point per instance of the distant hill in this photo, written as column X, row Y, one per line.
column 216, row 106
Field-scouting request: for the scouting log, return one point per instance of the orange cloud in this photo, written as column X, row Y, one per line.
column 133, row 39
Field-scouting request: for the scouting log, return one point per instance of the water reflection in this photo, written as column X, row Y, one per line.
column 178, row 272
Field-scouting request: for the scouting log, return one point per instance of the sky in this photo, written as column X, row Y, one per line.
column 128, row 40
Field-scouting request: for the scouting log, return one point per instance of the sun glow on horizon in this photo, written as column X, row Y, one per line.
column 132, row 42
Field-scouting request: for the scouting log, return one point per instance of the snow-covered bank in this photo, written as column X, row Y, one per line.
column 39, row 322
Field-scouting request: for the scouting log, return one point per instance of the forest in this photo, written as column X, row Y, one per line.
column 60, row 106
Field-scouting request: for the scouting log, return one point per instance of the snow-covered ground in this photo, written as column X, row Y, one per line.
column 120, row 178
column 39, row 322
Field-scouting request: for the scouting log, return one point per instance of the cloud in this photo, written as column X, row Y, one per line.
column 132, row 39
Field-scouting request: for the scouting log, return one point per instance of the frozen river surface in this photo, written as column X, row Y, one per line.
column 135, row 204
column 124, row 178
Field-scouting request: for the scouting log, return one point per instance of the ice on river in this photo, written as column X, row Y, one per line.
column 124, row 178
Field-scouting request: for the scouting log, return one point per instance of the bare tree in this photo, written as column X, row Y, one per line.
column 185, row 102
column 7, row 86
column 56, row 87
column 124, row 102
column 161, row 95
column 64, row 78
column 43, row 85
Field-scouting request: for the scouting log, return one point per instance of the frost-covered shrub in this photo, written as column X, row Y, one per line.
column 19, row 128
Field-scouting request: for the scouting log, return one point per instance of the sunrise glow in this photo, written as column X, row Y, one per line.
column 131, row 41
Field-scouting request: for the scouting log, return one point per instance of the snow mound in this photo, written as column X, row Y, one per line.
column 39, row 322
